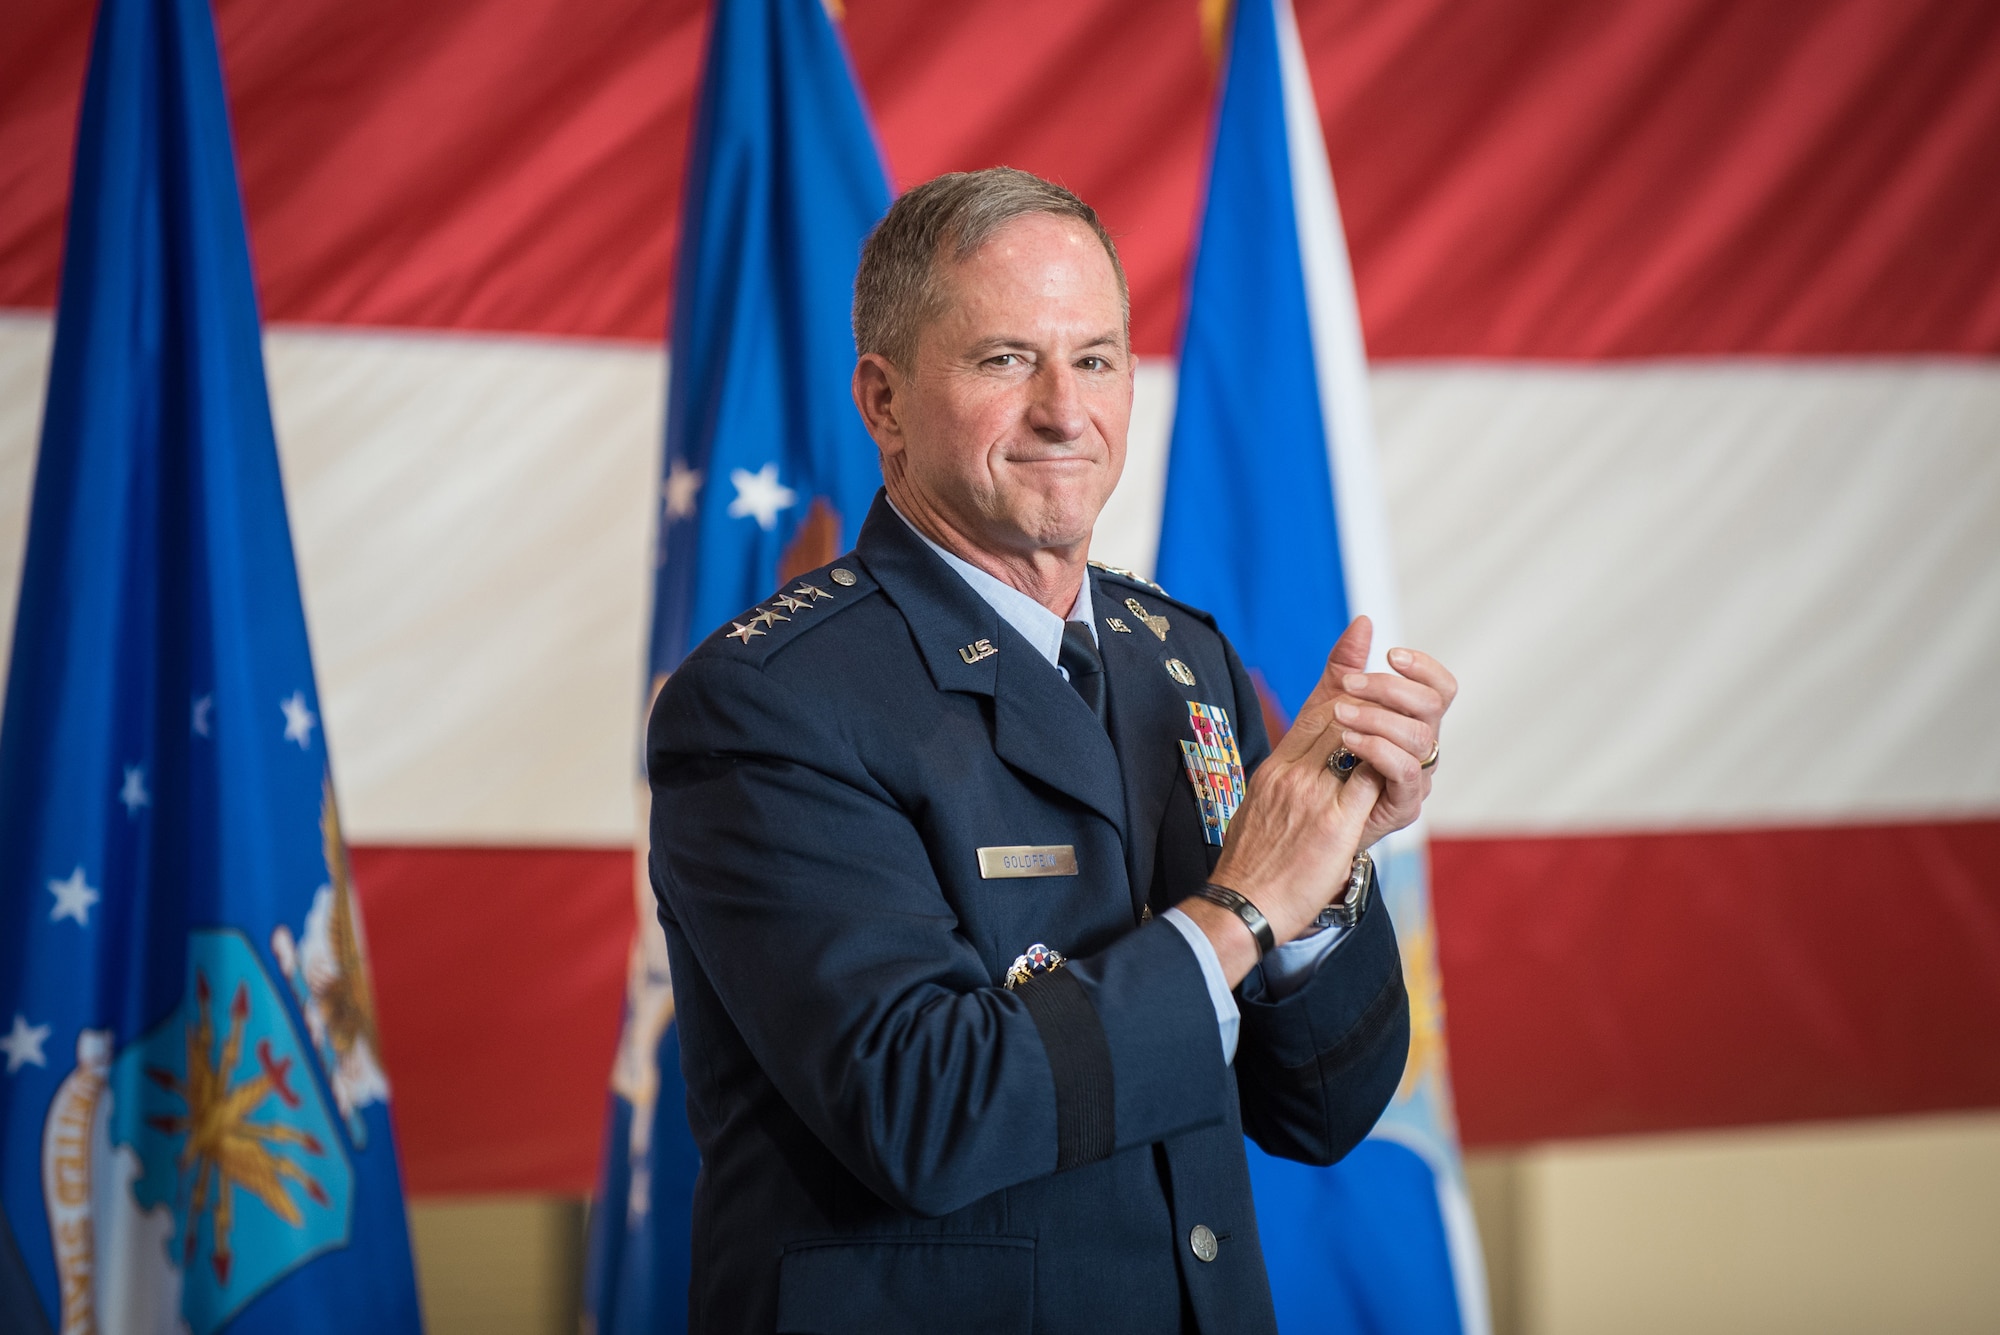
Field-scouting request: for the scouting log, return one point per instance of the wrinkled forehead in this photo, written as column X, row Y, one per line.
column 1038, row 272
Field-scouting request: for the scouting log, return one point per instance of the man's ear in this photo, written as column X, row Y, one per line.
column 878, row 388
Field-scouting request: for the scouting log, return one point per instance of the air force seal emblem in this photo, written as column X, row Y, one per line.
column 199, row 1165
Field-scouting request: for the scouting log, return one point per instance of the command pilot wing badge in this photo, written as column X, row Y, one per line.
column 1158, row 625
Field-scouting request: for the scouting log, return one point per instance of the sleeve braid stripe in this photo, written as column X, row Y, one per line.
column 1080, row 1059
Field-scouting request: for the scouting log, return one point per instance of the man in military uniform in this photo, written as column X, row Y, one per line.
column 976, row 1003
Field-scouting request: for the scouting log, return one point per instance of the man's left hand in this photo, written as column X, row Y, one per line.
column 1391, row 721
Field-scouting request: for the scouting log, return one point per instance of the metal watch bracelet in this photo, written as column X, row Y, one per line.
column 1347, row 910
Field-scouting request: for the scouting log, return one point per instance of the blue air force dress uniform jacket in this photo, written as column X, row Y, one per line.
column 892, row 1140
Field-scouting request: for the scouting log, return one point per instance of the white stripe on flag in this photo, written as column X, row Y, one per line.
column 1678, row 593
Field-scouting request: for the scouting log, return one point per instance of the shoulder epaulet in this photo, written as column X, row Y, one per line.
column 811, row 599
column 1136, row 578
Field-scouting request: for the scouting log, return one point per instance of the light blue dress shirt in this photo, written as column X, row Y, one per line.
column 1283, row 971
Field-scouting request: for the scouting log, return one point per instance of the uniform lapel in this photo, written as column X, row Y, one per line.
column 1041, row 726
column 1147, row 714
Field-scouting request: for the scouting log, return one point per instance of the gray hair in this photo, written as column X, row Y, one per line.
column 897, row 290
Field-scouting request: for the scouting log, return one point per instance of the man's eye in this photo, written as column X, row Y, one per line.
column 1094, row 364
column 1004, row 359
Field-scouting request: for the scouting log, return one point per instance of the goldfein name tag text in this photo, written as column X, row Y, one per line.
column 1027, row 860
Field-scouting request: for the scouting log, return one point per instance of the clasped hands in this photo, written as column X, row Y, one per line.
column 1291, row 843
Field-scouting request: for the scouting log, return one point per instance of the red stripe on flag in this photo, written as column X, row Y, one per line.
column 1659, row 982
column 1615, row 180
column 1519, row 180
column 1594, row 986
column 500, row 977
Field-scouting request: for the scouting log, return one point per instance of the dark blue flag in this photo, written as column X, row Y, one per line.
column 768, row 471
column 764, row 446
column 1274, row 520
column 194, row 1131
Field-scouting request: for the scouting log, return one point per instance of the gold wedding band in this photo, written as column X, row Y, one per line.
column 1432, row 762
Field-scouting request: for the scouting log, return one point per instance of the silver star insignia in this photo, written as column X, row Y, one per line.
column 811, row 591
column 791, row 604
column 743, row 632
column 765, row 616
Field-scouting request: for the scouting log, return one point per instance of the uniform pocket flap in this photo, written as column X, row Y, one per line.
column 908, row 1286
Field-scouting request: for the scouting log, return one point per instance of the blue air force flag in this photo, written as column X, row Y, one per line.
column 1274, row 520
column 768, row 472
column 194, row 1129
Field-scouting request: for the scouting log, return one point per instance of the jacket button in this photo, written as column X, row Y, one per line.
column 1201, row 1241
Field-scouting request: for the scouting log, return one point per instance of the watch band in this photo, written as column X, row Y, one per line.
column 1346, row 910
column 1252, row 916
column 1353, row 902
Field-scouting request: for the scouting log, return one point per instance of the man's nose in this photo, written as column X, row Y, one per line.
column 1055, row 409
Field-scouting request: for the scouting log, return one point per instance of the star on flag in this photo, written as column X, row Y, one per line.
column 23, row 1046
column 760, row 496
column 74, row 896
column 134, row 794
column 683, row 484
column 298, row 720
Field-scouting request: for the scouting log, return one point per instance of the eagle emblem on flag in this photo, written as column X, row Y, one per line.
column 327, row 967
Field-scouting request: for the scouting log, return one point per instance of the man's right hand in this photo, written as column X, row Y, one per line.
column 1291, row 843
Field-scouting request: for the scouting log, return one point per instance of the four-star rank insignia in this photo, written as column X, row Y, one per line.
column 1215, row 768
column 801, row 599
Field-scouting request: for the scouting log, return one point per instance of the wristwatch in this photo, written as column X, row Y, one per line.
column 1344, row 911
column 1350, row 904
column 1347, row 910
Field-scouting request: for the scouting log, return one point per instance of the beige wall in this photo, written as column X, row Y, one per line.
column 499, row 1265
column 1852, row 1227
column 1844, row 1227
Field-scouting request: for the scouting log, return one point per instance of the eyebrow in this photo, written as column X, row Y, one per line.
column 1000, row 342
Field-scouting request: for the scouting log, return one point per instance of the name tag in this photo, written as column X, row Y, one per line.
column 1027, row 860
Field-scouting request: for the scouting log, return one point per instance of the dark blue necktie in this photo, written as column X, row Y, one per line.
column 1080, row 659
